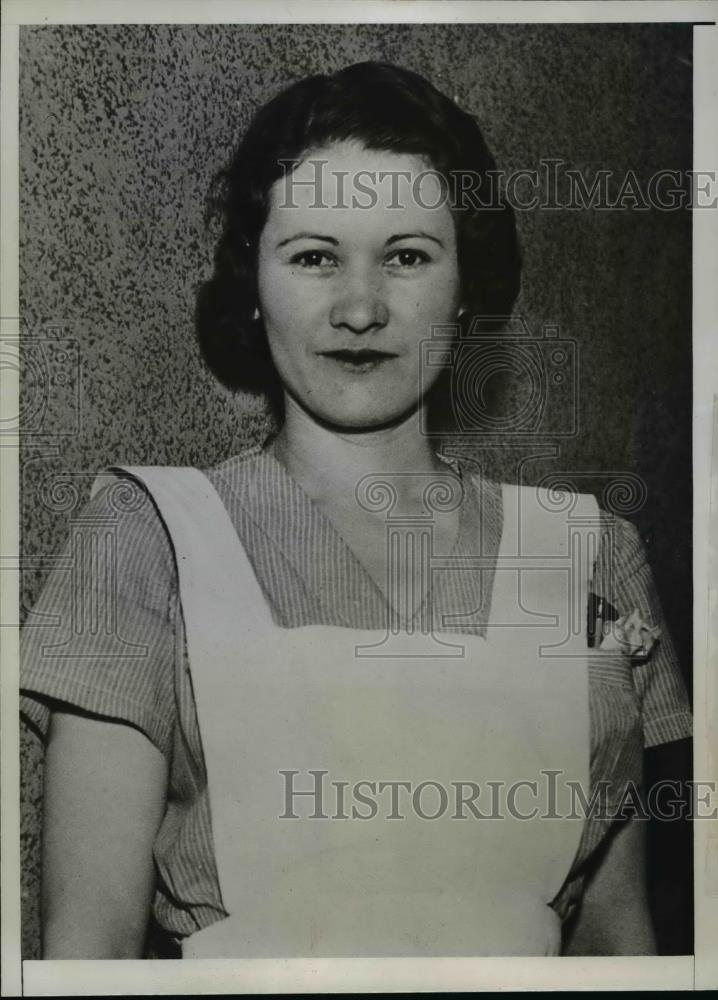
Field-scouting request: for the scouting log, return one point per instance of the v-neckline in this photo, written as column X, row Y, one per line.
column 425, row 608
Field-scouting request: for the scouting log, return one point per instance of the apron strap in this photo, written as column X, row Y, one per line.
column 556, row 534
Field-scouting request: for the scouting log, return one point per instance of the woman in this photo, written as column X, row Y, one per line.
column 283, row 634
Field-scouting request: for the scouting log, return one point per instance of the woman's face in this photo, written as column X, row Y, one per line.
column 354, row 269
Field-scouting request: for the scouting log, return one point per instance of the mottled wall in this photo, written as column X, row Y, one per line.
column 122, row 129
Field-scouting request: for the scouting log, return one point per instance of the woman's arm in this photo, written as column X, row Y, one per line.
column 105, row 793
column 614, row 918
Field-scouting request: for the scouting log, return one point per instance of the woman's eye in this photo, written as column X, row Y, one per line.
column 407, row 258
column 313, row 259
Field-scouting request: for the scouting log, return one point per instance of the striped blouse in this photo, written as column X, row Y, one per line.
column 107, row 635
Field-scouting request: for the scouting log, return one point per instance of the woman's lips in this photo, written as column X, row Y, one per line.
column 361, row 361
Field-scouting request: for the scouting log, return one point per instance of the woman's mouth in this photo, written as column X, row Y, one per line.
column 360, row 361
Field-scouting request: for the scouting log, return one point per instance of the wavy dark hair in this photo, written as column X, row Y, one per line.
column 385, row 107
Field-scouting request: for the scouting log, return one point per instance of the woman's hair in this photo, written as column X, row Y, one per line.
column 384, row 107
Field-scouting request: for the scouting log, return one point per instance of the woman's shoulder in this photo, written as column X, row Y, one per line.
column 620, row 552
column 559, row 499
column 126, row 496
column 122, row 506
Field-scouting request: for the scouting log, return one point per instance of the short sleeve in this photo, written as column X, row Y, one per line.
column 101, row 637
column 623, row 578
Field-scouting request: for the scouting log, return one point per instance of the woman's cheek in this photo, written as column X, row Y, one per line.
column 437, row 299
column 296, row 302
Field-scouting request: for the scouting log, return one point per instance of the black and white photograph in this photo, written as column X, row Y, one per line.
column 359, row 464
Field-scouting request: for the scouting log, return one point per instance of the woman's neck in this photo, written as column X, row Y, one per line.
column 328, row 462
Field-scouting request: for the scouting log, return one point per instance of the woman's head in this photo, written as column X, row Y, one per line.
column 373, row 117
column 351, row 282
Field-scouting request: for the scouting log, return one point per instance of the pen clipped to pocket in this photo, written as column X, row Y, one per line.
column 611, row 633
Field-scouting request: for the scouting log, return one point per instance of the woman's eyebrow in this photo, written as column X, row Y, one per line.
column 409, row 236
column 307, row 236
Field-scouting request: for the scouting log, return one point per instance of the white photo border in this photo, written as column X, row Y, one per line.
column 42, row 978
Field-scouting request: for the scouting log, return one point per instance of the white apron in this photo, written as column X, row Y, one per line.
column 325, row 709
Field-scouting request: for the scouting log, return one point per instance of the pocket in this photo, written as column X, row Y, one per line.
column 610, row 668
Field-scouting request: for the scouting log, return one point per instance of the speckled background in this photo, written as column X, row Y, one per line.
column 122, row 128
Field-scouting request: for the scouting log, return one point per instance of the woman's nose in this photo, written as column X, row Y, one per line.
column 360, row 304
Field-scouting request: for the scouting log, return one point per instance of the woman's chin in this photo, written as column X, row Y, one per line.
column 350, row 416
column 361, row 421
